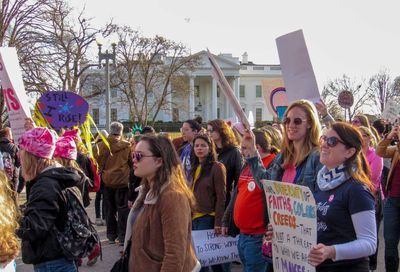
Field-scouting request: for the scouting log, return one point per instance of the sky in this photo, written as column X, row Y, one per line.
column 356, row 38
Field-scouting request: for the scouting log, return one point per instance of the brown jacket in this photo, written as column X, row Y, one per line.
column 210, row 192
column 392, row 152
column 162, row 235
column 114, row 168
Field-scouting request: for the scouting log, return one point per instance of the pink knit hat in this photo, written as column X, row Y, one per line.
column 74, row 134
column 66, row 148
column 39, row 142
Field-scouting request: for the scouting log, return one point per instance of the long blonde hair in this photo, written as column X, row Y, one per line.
column 33, row 165
column 9, row 244
column 311, row 142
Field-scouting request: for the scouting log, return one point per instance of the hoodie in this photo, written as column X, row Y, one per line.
column 45, row 210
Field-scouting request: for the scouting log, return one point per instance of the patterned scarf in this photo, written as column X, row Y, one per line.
column 330, row 179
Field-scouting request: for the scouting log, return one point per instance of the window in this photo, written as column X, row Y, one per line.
column 114, row 115
column 218, row 113
column 258, row 91
column 242, row 91
column 113, row 93
column 175, row 115
column 96, row 116
column 258, row 68
column 258, row 114
column 218, row 91
column 196, row 91
column 275, row 68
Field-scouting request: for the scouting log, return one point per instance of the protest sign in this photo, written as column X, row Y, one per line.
column 13, row 91
column 293, row 215
column 212, row 249
column 274, row 94
column 63, row 109
column 297, row 71
column 391, row 111
column 227, row 90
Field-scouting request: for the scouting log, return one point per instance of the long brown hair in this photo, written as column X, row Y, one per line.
column 312, row 137
column 226, row 133
column 33, row 165
column 210, row 159
column 170, row 171
column 357, row 165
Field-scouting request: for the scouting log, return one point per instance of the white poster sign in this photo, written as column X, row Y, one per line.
column 212, row 249
column 391, row 111
column 298, row 73
column 13, row 90
column 293, row 215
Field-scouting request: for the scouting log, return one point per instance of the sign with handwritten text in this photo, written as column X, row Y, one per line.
column 292, row 213
column 212, row 249
column 63, row 109
column 13, row 91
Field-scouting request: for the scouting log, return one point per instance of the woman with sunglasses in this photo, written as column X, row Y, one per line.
column 227, row 151
column 298, row 160
column 376, row 165
column 162, row 228
column 362, row 120
column 208, row 186
column 346, row 230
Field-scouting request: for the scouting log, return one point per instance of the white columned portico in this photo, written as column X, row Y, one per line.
column 214, row 99
column 191, row 97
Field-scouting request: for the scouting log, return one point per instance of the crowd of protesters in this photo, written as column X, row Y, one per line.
column 151, row 192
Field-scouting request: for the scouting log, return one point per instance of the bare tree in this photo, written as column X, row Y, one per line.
column 362, row 95
column 383, row 89
column 150, row 72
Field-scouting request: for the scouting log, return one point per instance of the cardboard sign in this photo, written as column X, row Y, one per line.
column 212, row 249
column 298, row 73
column 274, row 94
column 293, row 215
column 63, row 109
column 13, row 91
column 391, row 111
column 227, row 90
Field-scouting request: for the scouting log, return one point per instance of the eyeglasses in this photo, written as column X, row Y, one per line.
column 139, row 156
column 331, row 141
column 297, row 121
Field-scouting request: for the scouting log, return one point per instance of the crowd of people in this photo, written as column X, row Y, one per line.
column 152, row 192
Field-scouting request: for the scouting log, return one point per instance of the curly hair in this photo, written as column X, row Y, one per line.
column 9, row 244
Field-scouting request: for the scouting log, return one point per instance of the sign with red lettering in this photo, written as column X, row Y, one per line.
column 293, row 215
column 13, row 90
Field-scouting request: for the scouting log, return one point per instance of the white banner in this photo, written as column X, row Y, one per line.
column 297, row 71
column 13, row 90
column 293, row 215
column 212, row 249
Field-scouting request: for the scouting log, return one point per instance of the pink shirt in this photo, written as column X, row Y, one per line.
column 376, row 165
column 289, row 174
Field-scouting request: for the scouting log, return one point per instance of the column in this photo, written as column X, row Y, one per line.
column 237, row 87
column 168, row 100
column 191, row 97
column 214, row 99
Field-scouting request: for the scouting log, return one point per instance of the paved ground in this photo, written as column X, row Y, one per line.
column 111, row 253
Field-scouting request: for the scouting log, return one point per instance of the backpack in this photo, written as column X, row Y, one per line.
column 78, row 237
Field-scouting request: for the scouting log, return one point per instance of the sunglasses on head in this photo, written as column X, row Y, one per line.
column 331, row 141
column 138, row 156
column 297, row 121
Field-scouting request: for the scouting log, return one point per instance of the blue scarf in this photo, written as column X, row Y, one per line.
column 330, row 179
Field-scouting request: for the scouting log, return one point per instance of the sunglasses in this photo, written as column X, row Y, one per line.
column 297, row 121
column 139, row 156
column 331, row 141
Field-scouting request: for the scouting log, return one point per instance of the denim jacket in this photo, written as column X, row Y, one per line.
column 307, row 177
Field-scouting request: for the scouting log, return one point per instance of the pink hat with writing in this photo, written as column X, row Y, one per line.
column 39, row 142
column 66, row 148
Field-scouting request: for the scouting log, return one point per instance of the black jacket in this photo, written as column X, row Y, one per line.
column 10, row 161
column 232, row 160
column 45, row 210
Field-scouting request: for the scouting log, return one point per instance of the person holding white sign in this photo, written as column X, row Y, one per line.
column 298, row 160
column 346, row 228
column 209, row 188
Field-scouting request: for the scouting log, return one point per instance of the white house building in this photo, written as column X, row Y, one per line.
column 204, row 97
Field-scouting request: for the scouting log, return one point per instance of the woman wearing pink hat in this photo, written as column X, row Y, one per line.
column 45, row 208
